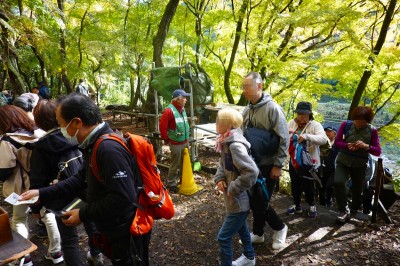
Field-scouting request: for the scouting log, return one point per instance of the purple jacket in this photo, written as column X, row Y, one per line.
column 375, row 147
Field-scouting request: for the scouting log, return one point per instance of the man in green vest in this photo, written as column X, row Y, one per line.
column 174, row 129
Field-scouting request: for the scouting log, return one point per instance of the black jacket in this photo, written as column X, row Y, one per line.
column 48, row 159
column 111, row 201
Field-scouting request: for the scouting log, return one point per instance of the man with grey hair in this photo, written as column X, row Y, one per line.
column 264, row 113
column 174, row 129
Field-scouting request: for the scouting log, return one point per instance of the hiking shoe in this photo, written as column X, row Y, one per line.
column 96, row 260
column 173, row 189
column 312, row 212
column 279, row 238
column 244, row 261
column 294, row 209
column 27, row 261
column 343, row 217
column 255, row 239
column 56, row 257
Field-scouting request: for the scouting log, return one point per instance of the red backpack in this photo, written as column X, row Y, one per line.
column 154, row 201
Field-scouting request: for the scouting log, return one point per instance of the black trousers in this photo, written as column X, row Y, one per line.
column 300, row 184
column 325, row 192
column 130, row 250
column 268, row 215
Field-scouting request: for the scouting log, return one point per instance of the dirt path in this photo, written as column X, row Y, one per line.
column 190, row 237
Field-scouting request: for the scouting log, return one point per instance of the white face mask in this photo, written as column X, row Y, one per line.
column 73, row 140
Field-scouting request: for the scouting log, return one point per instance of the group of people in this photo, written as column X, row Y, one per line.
column 47, row 154
column 43, row 91
column 337, row 156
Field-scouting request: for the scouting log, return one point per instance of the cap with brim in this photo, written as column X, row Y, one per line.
column 303, row 108
column 330, row 129
column 179, row 92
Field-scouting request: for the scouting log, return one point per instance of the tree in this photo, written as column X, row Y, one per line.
column 10, row 53
column 389, row 12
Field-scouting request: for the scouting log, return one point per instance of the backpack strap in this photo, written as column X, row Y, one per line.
column 347, row 127
column 93, row 158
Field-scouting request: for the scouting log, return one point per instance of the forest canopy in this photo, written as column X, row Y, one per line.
column 345, row 51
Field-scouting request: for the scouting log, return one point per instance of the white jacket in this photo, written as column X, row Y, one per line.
column 315, row 135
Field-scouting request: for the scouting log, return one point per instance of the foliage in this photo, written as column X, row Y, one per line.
column 296, row 45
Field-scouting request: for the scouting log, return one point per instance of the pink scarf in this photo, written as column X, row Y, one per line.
column 221, row 138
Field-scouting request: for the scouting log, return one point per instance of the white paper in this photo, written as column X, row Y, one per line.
column 13, row 199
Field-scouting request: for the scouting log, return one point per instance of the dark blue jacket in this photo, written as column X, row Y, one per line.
column 49, row 157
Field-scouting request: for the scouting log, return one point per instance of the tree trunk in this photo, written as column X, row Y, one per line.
column 138, row 90
column 158, row 44
column 9, row 55
column 163, row 27
column 227, row 74
column 80, row 39
column 43, row 72
column 63, row 50
column 371, row 59
column 132, row 88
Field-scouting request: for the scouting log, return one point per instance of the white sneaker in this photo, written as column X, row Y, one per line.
column 244, row 261
column 255, row 239
column 279, row 238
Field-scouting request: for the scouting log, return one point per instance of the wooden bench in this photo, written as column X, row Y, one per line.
column 132, row 115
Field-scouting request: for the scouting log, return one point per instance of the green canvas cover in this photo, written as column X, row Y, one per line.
column 202, row 86
column 165, row 80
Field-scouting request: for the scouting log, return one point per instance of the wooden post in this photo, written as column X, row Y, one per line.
column 378, row 185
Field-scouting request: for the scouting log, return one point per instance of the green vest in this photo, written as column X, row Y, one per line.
column 181, row 133
column 355, row 134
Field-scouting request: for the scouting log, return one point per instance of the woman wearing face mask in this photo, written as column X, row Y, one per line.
column 356, row 139
column 18, row 132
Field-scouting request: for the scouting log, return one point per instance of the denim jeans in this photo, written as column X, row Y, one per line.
column 234, row 223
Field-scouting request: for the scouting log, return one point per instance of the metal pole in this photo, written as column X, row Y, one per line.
column 192, row 123
column 156, row 107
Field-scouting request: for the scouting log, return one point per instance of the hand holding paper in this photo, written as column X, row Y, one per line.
column 15, row 199
column 27, row 195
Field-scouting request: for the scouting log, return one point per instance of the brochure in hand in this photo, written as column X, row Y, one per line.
column 13, row 199
column 77, row 203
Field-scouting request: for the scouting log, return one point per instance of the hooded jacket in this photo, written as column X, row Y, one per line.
column 48, row 159
column 268, row 115
column 238, row 170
